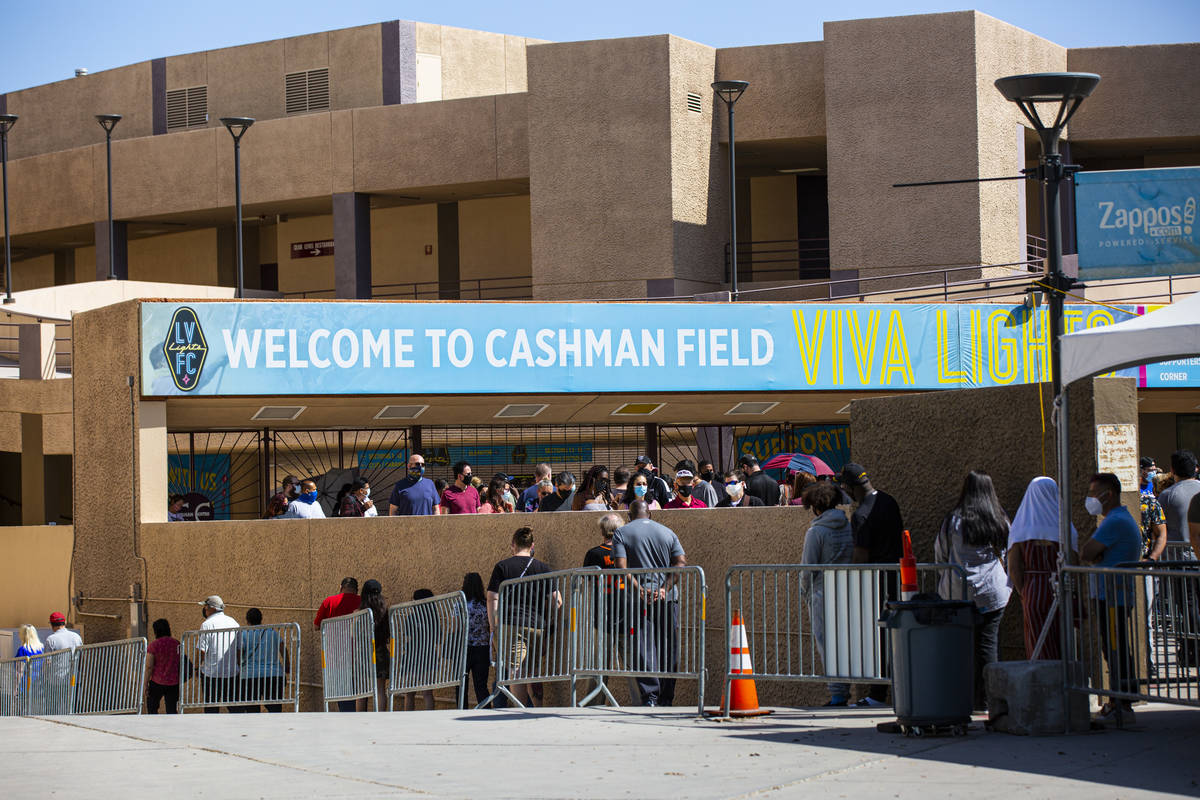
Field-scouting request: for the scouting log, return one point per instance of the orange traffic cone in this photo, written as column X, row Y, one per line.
column 743, row 694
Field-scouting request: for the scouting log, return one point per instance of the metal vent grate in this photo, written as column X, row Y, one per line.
column 637, row 409
column 279, row 412
column 521, row 410
column 400, row 412
column 187, row 108
column 751, row 408
column 693, row 103
column 306, row 91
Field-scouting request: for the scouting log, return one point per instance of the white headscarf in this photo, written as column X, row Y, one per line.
column 1037, row 518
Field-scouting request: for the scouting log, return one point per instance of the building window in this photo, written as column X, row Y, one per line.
column 306, row 91
column 187, row 108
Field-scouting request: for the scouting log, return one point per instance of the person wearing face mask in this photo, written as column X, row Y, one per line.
column 594, row 494
column 415, row 495
column 279, row 501
column 735, row 492
column 702, row 489
column 461, row 497
column 684, row 496
column 639, row 489
column 1117, row 540
column 710, row 476
column 357, row 500
column 305, row 506
column 1154, row 519
column 564, row 494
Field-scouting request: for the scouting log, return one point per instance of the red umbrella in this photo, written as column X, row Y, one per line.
column 782, row 461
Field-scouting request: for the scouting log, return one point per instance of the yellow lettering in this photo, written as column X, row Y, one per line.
column 864, row 346
column 945, row 374
column 835, row 349
column 1072, row 317
column 810, row 348
column 823, row 441
column 895, row 353
column 1037, row 346
column 1098, row 319
column 997, row 342
column 977, row 346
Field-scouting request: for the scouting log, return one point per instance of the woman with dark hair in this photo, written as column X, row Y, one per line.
column 356, row 500
column 479, row 634
column 494, row 499
column 162, row 669
column 639, row 489
column 372, row 598
column 594, row 495
column 974, row 536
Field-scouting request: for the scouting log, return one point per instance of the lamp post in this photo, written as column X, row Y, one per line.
column 730, row 91
column 237, row 127
column 6, row 123
column 108, row 122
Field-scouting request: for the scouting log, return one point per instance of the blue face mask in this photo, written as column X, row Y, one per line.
column 307, row 497
column 640, row 490
column 416, row 472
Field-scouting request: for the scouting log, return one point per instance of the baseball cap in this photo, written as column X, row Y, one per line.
column 1146, row 461
column 643, row 459
column 213, row 601
column 747, row 460
column 683, row 473
column 57, row 618
column 853, row 474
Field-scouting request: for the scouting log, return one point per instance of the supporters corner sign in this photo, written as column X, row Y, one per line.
column 282, row 348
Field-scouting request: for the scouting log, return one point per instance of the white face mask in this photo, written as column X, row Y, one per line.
column 367, row 493
column 735, row 491
column 1093, row 506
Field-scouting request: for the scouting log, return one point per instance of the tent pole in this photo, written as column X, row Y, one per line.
column 1066, row 648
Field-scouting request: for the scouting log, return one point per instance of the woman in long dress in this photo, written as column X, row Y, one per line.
column 1033, row 563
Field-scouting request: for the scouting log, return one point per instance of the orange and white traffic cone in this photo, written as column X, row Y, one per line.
column 743, row 694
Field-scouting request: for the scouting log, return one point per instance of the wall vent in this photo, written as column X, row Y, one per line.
column 751, row 408
column 279, row 412
column 306, row 91
column 693, row 103
column 522, row 410
column 187, row 108
column 636, row 409
column 400, row 412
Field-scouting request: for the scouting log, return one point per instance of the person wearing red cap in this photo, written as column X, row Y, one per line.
column 63, row 637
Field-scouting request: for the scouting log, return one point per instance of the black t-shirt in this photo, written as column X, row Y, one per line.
column 530, row 604
column 764, row 487
column 556, row 502
column 878, row 526
column 747, row 500
column 600, row 556
column 614, row 586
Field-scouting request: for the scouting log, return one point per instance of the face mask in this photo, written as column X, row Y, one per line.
column 564, row 493
column 1093, row 506
column 640, row 490
column 601, row 486
column 1151, row 475
column 366, row 494
column 734, row 490
column 416, row 472
column 684, row 491
column 707, row 476
column 308, row 497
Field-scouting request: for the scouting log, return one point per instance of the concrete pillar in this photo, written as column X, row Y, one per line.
column 352, row 245
column 36, row 342
column 33, row 471
column 152, row 461
column 120, row 250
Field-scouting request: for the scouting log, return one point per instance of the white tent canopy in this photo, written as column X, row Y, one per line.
column 1171, row 332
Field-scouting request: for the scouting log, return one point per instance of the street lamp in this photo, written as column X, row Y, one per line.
column 6, row 123
column 237, row 127
column 108, row 122
column 730, row 91
column 1066, row 90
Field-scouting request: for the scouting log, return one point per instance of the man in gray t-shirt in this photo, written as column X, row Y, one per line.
column 654, row 635
column 1176, row 499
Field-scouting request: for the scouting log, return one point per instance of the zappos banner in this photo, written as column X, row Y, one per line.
column 228, row 348
column 1137, row 223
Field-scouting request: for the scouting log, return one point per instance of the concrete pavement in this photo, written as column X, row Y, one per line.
column 589, row 753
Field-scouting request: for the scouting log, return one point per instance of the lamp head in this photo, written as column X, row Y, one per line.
column 237, row 126
column 108, row 121
column 730, row 91
column 1066, row 89
column 7, row 121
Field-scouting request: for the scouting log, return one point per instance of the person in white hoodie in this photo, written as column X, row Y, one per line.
column 829, row 541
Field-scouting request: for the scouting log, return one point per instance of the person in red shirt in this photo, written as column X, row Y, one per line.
column 341, row 604
column 684, row 498
column 461, row 497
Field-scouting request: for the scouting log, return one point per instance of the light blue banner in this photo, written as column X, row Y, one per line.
column 292, row 348
column 1137, row 223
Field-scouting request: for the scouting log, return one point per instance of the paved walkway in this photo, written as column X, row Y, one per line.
column 590, row 753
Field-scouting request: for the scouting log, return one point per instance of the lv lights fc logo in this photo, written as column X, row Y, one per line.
column 185, row 349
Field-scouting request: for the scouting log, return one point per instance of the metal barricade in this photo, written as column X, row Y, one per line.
column 817, row 622
column 348, row 658
column 1177, row 551
column 645, row 623
column 536, row 617
column 1135, row 630
column 251, row 666
column 12, row 689
column 428, row 646
column 48, row 685
column 110, row 677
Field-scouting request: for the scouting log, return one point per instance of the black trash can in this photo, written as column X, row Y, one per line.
column 933, row 656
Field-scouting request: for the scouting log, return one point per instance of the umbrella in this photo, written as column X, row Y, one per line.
column 797, row 462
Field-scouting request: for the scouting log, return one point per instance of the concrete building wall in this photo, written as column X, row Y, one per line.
column 494, row 238
column 399, row 236
column 300, row 274
column 786, row 97
column 474, row 63
column 1144, row 92
column 188, row 257
column 38, row 580
column 33, row 273
column 773, row 208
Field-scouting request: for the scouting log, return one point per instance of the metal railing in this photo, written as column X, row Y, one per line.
column 49, row 688
column 428, row 646
column 516, row 287
column 10, row 343
column 841, row 603
column 348, row 658
column 773, row 259
column 646, row 624
column 255, row 666
column 1131, row 647
column 109, row 678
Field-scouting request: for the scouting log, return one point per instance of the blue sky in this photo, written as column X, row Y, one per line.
column 46, row 41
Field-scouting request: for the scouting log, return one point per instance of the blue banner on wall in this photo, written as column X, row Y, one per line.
column 1137, row 223
column 282, row 348
column 203, row 480
column 830, row 443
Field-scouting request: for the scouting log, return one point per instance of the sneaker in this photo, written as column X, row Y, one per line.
column 870, row 702
column 1119, row 713
column 837, row 701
